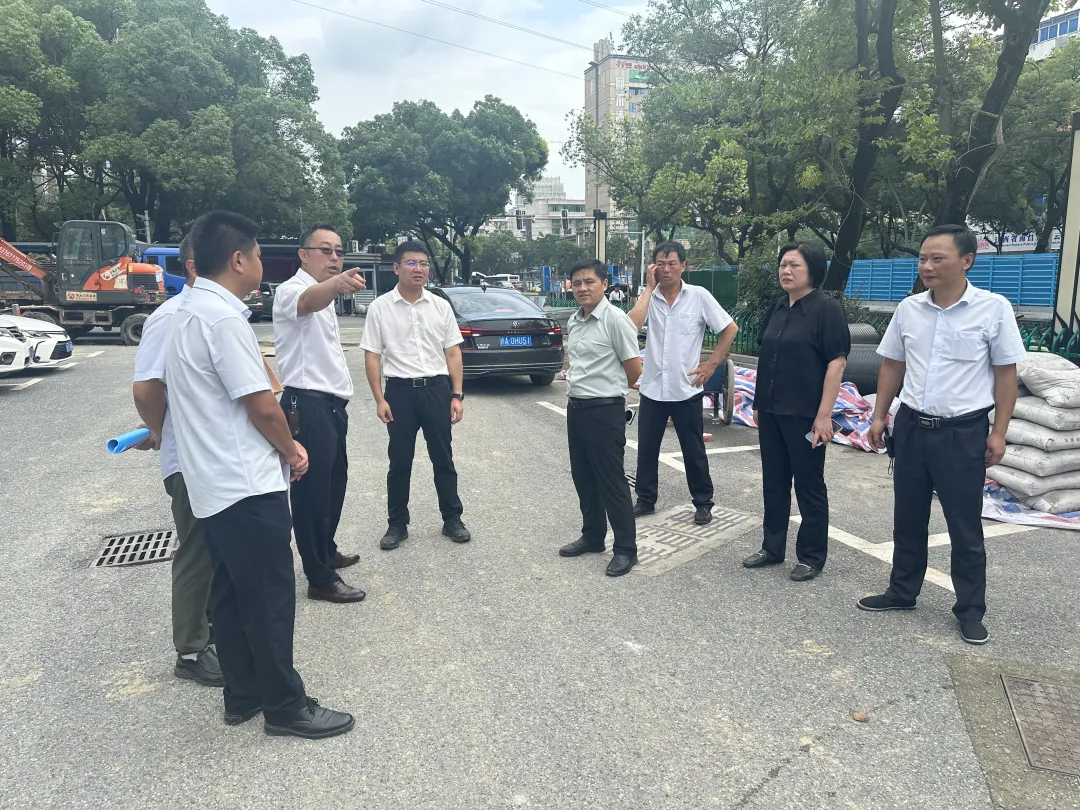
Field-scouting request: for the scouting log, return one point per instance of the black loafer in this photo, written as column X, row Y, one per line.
column 205, row 670
column 877, row 604
column 344, row 560
column 973, row 631
column 802, row 572
column 236, row 718
column 703, row 515
column 456, row 531
column 643, row 509
column 621, row 564
column 313, row 722
column 336, row 591
column 582, row 546
column 394, row 537
column 759, row 559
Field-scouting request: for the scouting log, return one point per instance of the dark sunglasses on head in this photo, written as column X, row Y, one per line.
column 328, row 251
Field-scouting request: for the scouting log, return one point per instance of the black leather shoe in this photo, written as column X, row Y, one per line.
column 393, row 538
column 973, row 631
column 621, row 564
column 205, row 669
column 803, row 572
column 643, row 508
column 759, row 559
column 582, row 546
column 876, row 604
column 456, row 531
column 313, row 722
column 336, row 591
column 703, row 515
column 344, row 560
column 236, row 718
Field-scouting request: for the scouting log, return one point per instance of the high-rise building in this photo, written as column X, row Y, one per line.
column 1053, row 33
column 615, row 88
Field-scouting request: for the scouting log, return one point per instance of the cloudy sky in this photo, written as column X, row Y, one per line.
column 362, row 69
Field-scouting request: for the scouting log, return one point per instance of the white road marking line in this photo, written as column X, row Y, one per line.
column 552, row 407
column 882, row 551
column 67, row 365
column 93, row 354
column 742, row 448
column 22, row 385
column 997, row 530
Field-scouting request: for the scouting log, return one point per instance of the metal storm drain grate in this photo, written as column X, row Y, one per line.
column 631, row 479
column 135, row 549
column 675, row 539
column 1048, row 717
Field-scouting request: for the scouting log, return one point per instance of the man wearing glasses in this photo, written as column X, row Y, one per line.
column 674, row 373
column 318, row 388
column 412, row 339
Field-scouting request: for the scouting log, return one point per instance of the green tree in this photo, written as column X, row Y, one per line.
column 499, row 252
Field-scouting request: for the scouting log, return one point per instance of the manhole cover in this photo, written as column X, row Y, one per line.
column 135, row 549
column 674, row 538
column 631, row 479
column 1048, row 717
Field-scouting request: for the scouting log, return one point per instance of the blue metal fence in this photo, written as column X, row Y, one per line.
column 1026, row 280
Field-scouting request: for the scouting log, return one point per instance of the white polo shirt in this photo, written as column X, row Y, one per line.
column 212, row 361
column 673, row 346
column 150, row 365
column 308, row 347
column 950, row 353
column 412, row 338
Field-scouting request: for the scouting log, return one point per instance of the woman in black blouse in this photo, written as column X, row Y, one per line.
column 804, row 344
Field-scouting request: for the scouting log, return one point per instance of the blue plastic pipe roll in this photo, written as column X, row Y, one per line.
column 128, row 440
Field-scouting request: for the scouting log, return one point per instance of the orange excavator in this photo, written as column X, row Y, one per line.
column 90, row 280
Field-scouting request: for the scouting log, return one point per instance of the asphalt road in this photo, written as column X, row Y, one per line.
column 496, row 674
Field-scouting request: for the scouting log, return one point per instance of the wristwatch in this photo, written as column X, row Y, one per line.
column 458, row 397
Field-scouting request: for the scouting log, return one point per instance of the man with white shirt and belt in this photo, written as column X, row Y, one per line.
column 674, row 374
column 412, row 338
column 318, row 387
column 196, row 660
column 238, row 457
column 955, row 349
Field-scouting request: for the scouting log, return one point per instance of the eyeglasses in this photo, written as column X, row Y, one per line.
column 328, row 251
column 412, row 264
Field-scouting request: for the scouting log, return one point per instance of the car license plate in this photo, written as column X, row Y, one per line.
column 516, row 340
column 67, row 346
column 31, row 351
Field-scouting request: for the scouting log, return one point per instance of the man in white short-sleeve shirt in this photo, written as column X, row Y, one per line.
column 671, row 382
column 955, row 349
column 237, row 456
column 191, row 572
column 412, row 338
column 318, row 387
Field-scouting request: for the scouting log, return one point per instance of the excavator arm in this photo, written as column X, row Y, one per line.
column 11, row 255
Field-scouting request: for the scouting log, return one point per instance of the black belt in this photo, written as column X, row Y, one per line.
column 325, row 397
column 595, row 402
column 925, row 420
column 420, row 382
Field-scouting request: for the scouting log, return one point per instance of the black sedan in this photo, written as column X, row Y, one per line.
column 505, row 334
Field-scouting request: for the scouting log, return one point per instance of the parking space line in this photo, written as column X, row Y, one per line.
column 883, row 552
column 94, row 354
column 997, row 530
column 552, row 407
column 742, row 448
column 68, row 365
column 22, row 385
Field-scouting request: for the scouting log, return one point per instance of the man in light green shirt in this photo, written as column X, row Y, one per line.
column 604, row 363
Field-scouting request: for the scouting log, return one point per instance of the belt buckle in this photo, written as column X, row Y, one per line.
column 931, row 422
column 420, row 383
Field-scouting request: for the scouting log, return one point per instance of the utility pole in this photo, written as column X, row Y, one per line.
column 601, row 234
column 1066, row 325
column 146, row 224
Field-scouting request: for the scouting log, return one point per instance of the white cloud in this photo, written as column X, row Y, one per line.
column 362, row 69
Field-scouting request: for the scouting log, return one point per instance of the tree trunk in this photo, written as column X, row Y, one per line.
column 163, row 219
column 870, row 131
column 981, row 147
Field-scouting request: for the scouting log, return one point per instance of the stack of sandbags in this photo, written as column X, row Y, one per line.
column 1041, row 467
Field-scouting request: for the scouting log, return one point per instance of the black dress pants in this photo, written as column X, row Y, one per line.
column 786, row 454
column 597, row 437
column 424, row 408
column 951, row 461
column 689, row 422
column 318, row 496
column 253, row 601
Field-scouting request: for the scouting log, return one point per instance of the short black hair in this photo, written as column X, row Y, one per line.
column 305, row 237
column 814, row 255
column 185, row 252
column 664, row 248
column 595, row 265
column 963, row 236
column 412, row 246
column 216, row 236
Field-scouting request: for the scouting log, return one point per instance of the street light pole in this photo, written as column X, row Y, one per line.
column 1068, row 286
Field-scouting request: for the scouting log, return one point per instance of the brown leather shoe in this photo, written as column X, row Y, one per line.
column 344, row 560
column 336, row 591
